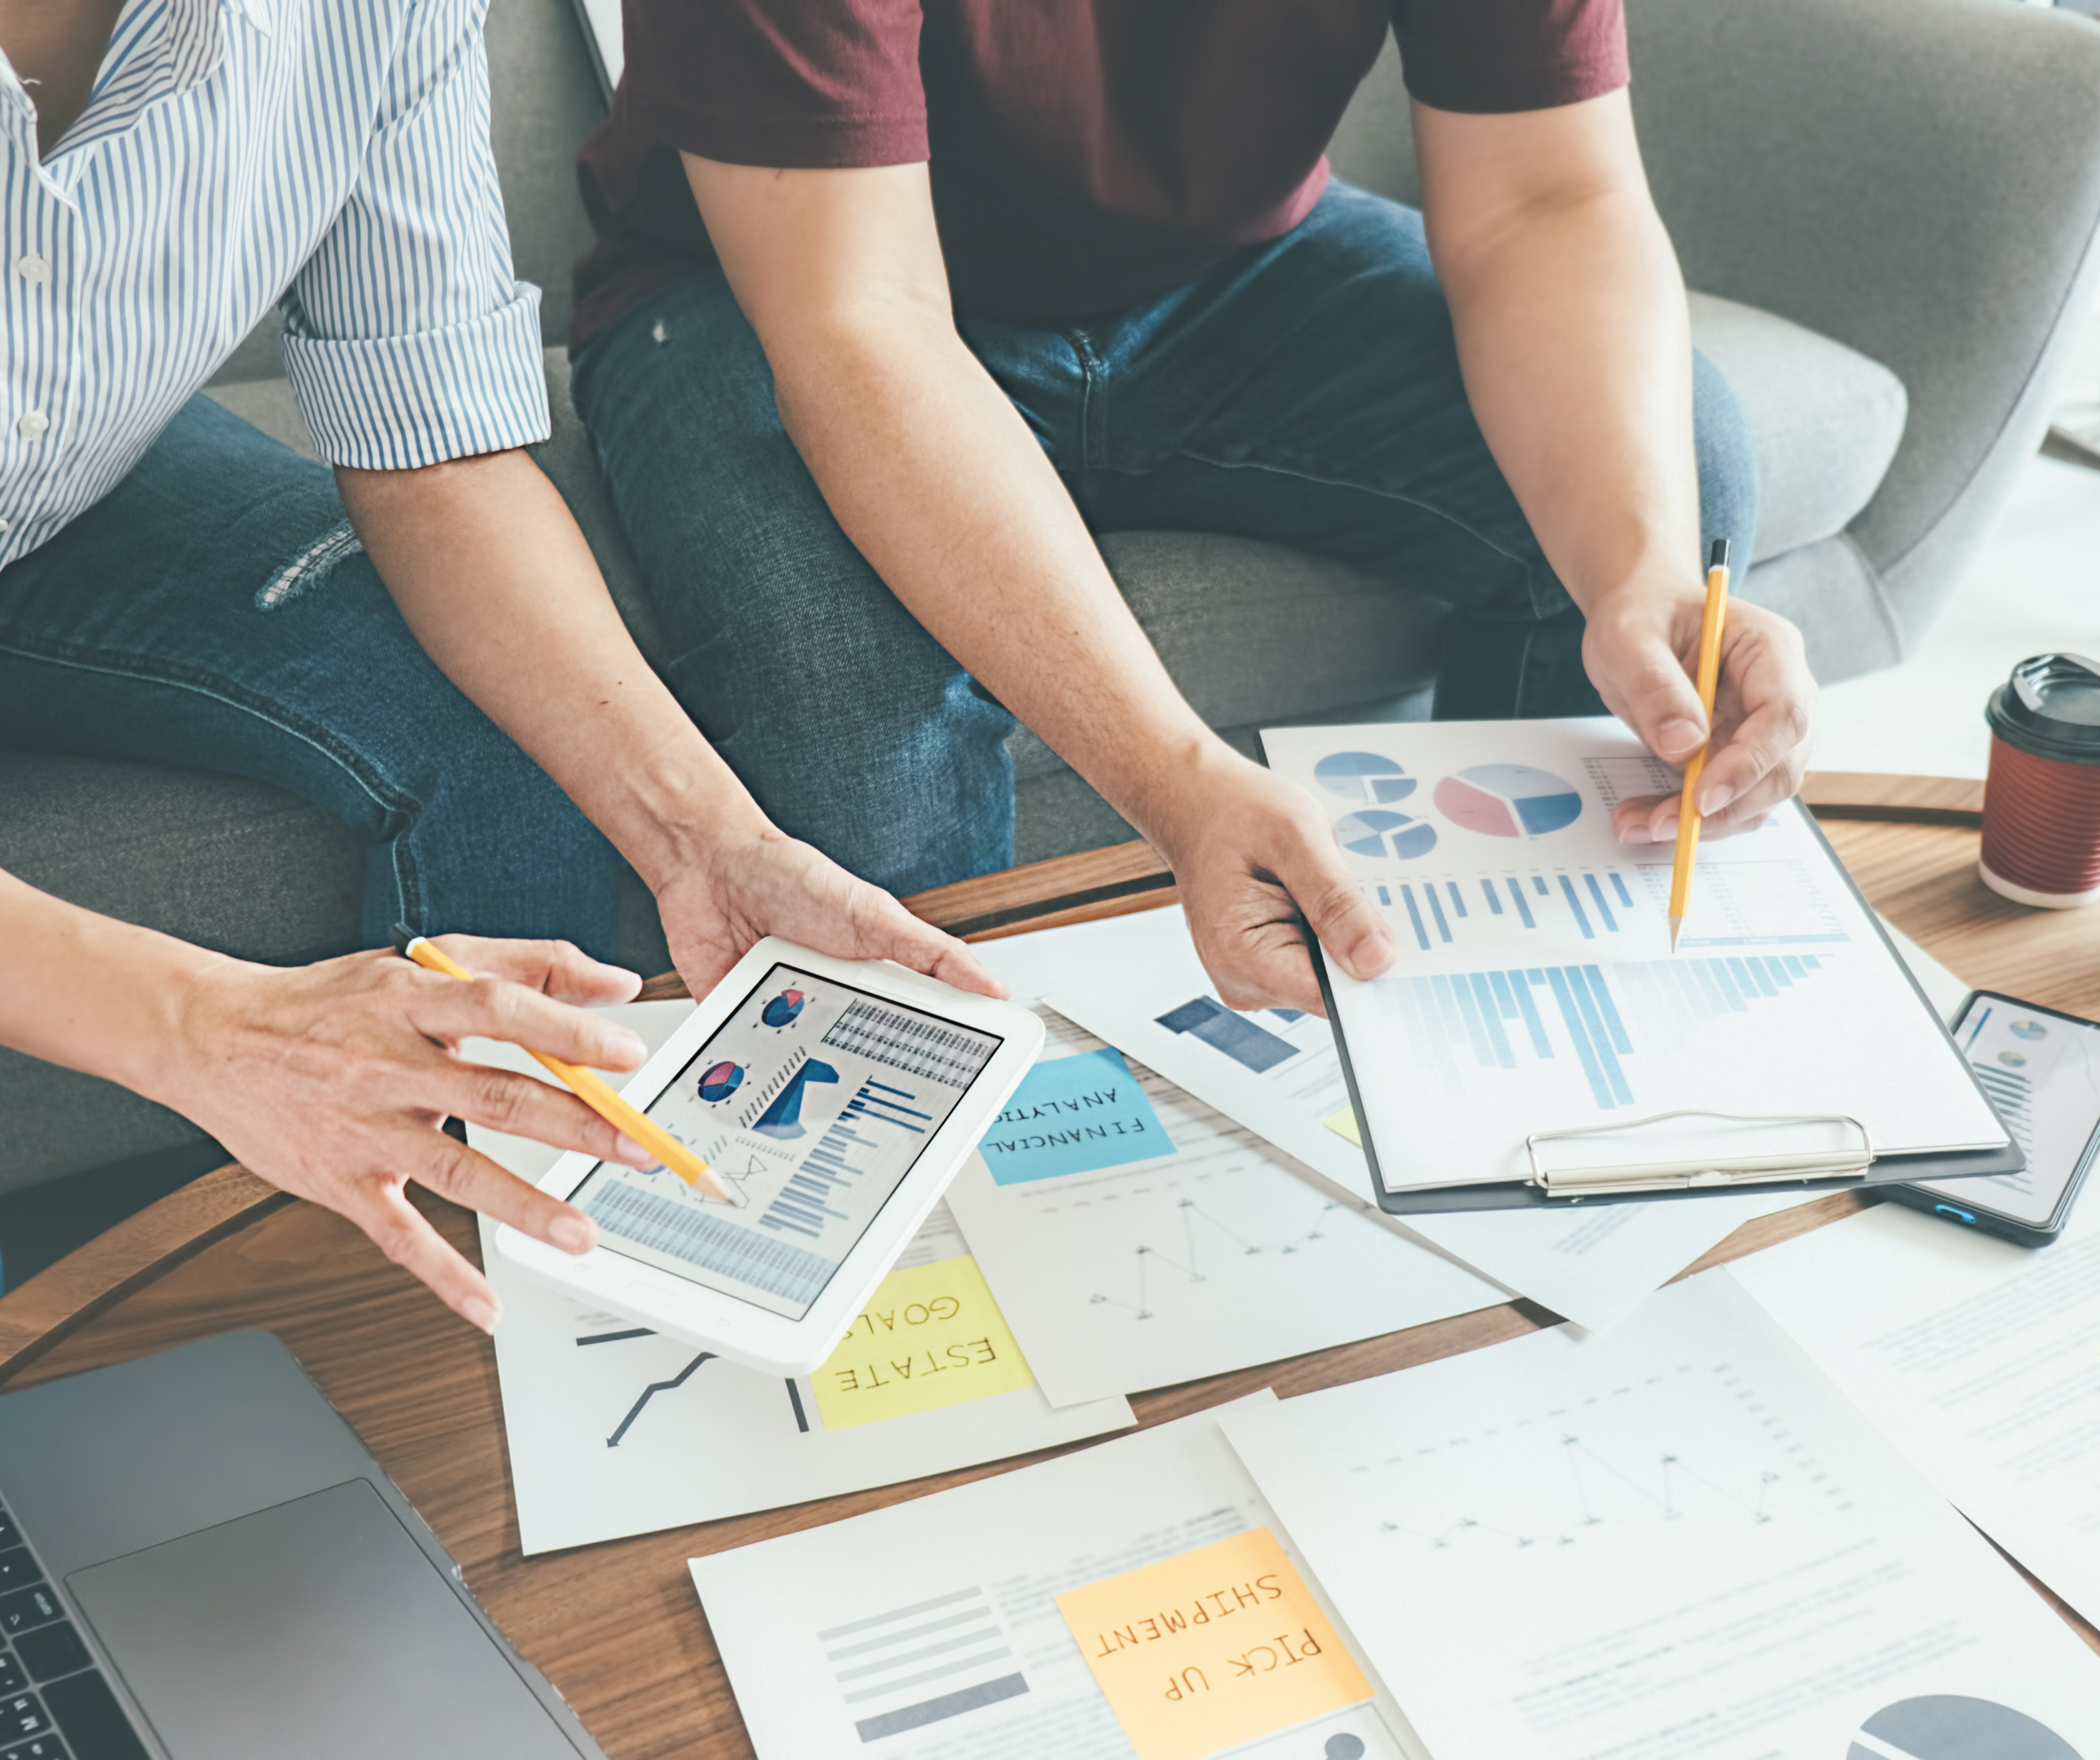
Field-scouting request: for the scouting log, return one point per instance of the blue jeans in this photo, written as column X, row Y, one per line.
column 1306, row 391
column 214, row 611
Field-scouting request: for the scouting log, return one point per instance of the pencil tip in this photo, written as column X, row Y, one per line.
column 1675, row 924
column 1717, row 557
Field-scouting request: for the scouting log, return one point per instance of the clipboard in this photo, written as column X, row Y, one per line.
column 1854, row 1165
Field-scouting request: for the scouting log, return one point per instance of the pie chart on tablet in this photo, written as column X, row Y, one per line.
column 1949, row 1726
column 1380, row 834
column 1508, row 800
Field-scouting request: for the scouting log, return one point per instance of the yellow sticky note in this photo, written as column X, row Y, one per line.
column 931, row 1335
column 1202, row 1652
column 1344, row 1124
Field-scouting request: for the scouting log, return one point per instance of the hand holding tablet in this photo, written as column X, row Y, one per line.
column 835, row 1099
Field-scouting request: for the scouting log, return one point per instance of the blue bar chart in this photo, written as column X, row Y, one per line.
column 1735, row 903
column 1588, row 1013
column 1484, row 911
column 836, row 1163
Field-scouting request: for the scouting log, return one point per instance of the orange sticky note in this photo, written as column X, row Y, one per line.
column 1202, row 1652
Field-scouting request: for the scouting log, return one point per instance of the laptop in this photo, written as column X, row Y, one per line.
column 199, row 1560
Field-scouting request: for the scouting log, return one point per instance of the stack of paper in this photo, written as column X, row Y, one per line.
column 1675, row 1543
column 1137, row 982
column 1138, row 1598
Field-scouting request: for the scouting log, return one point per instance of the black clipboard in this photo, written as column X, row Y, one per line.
column 1878, row 1169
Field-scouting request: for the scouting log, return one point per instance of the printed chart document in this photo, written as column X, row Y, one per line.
column 1136, row 1238
column 614, row 1430
column 1536, row 984
column 1136, row 1599
column 1136, row 982
column 1676, row 1542
column 1977, row 1359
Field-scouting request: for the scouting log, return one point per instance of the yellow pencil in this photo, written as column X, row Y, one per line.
column 588, row 1085
column 1709, row 680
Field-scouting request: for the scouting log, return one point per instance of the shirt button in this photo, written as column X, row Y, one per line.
column 33, row 268
column 4, row 528
column 32, row 423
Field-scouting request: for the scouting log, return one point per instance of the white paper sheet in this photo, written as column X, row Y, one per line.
column 1977, row 1359
column 1220, row 1255
column 1593, row 1264
column 1677, row 1542
column 992, row 1555
column 1536, row 984
column 615, row 1431
column 1137, row 982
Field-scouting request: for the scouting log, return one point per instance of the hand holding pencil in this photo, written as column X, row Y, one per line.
column 588, row 1085
column 1710, row 631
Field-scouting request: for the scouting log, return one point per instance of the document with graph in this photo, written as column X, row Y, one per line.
column 1136, row 981
column 615, row 1430
column 1536, row 990
column 1135, row 1601
column 1676, row 1542
column 1979, row 1359
column 1138, row 1238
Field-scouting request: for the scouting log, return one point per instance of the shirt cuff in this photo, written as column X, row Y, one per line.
column 399, row 403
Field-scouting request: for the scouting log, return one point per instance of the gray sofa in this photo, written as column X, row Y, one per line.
column 1888, row 207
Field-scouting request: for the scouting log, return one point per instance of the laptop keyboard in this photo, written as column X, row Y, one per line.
column 53, row 1702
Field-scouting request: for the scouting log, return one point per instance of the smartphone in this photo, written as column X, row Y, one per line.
column 2041, row 1069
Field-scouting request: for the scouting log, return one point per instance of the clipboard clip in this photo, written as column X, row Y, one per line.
column 1706, row 1173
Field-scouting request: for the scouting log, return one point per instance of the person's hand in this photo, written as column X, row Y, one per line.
column 743, row 888
column 1250, row 853
column 333, row 1081
column 1641, row 650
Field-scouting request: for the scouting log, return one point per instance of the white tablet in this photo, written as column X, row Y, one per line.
column 835, row 1098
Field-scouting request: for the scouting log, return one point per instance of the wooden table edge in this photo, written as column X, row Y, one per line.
column 60, row 1299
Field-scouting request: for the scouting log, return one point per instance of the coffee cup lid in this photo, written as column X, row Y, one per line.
column 2050, row 707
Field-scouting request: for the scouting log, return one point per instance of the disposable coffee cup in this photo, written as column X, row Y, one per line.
column 2041, row 802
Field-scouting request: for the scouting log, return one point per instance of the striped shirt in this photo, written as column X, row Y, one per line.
column 329, row 155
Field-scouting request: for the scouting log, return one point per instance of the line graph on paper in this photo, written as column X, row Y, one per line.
column 1203, row 1237
column 1692, row 1450
column 669, row 1383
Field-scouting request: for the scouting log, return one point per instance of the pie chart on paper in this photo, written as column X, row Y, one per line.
column 1951, row 1727
column 1358, row 776
column 1508, row 800
column 1381, row 834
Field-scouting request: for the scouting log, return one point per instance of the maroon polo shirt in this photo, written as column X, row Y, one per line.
column 1084, row 154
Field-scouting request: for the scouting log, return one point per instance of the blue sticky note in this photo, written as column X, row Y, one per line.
column 1073, row 1115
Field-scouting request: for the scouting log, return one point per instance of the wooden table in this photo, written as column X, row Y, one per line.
column 616, row 1626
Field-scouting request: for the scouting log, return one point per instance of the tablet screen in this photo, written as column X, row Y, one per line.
column 812, row 1102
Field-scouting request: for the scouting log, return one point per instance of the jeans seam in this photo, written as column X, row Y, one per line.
column 173, row 679
column 1093, row 401
column 1538, row 610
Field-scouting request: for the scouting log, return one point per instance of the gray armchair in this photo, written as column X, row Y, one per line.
column 1888, row 207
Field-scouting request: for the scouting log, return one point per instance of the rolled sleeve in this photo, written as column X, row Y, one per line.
column 408, row 340
column 394, row 402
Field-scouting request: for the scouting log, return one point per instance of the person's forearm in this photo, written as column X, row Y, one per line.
column 90, row 992
column 1575, row 347
column 940, row 484
column 488, row 568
